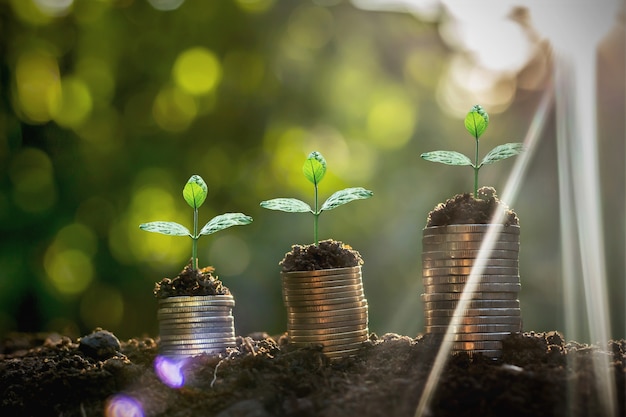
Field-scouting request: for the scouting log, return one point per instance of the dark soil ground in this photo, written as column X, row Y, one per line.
column 52, row 375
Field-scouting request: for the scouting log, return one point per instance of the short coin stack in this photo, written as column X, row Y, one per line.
column 449, row 253
column 193, row 325
column 326, row 307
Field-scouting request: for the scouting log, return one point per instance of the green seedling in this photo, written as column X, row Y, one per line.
column 194, row 193
column 314, row 170
column 476, row 123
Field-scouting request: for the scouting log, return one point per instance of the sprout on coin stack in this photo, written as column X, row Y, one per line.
column 322, row 282
column 451, row 248
column 195, row 309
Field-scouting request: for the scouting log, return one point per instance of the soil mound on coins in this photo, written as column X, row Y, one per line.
column 465, row 209
column 43, row 375
column 191, row 282
column 327, row 255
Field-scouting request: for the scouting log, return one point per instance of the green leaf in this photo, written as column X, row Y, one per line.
column 502, row 152
column 166, row 228
column 224, row 221
column 195, row 191
column 476, row 121
column 447, row 157
column 314, row 167
column 345, row 196
column 290, row 205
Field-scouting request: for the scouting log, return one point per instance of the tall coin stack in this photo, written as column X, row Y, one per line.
column 326, row 307
column 449, row 253
column 193, row 325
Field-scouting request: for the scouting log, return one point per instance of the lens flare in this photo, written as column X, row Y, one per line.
column 123, row 406
column 170, row 371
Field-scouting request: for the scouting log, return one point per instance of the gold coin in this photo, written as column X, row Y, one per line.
column 488, row 353
column 326, row 307
column 476, row 328
column 196, row 336
column 466, row 237
column 466, row 271
column 455, row 296
column 336, row 342
column 444, row 263
column 470, row 254
column 482, row 345
column 355, row 334
column 462, row 279
column 323, row 290
column 332, row 330
column 323, row 272
column 471, row 228
column 328, row 302
column 433, row 321
column 321, row 284
column 480, row 287
column 324, row 314
column 456, row 246
column 477, row 337
column 331, row 325
column 474, row 312
column 489, row 303
column 324, row 296
column 331, row 319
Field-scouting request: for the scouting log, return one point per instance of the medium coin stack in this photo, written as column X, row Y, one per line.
column 326, row 307
column 193, row 325
column 449, row 253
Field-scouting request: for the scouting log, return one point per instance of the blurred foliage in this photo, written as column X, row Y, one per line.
column 107, row 106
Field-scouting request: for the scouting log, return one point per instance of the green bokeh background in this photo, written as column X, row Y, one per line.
column 108, row 107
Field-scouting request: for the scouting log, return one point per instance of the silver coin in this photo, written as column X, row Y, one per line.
column 355, row 334
column 321, row 284
column 456, row 246
column 324, row 314
column 470, row 254
column 190, row 325
column 329, row 301
column 444, row 321
column 324, row 296
column 462, row 279
column 331, row 325
column 229, row 320
column 511, row 312
column 322, row 290
column 323, row 272
column 470, row 228
column 451, row 296
column 198, row 341
column 326, row 307
column 330, row 331
column 466, row 237
column 489, row 303
column 467, row 270
column 476, row 328
column 480, row 287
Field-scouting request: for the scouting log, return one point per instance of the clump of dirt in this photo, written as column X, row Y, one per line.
column 191, row 281
column 539, row 374
column 465, row 209
column 327, row 255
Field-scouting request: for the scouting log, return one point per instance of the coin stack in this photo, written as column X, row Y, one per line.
column 326, row 307
column 449, row 253
column 193, row 325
